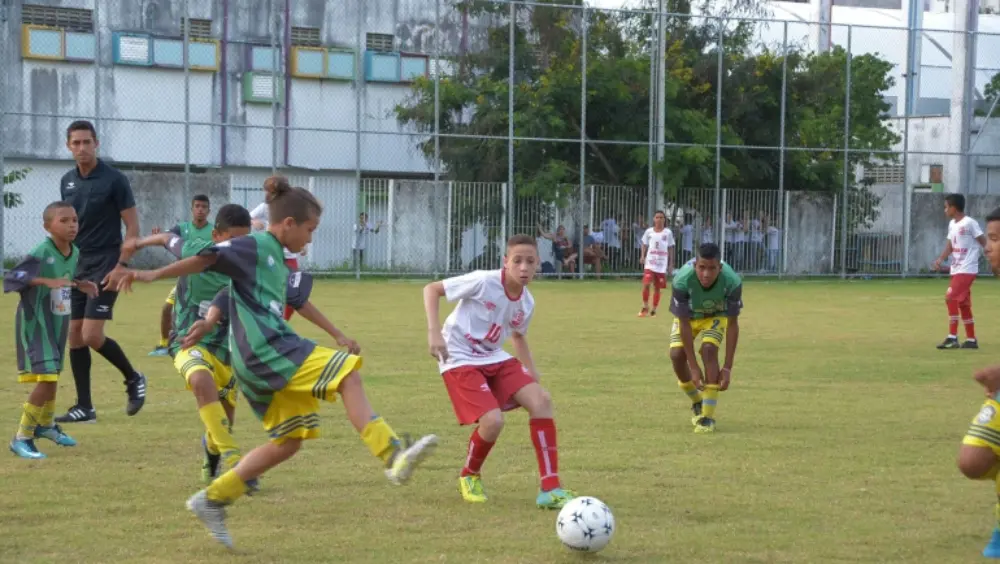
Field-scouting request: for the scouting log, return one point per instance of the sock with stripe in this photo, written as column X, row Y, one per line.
column 479, row 449
column 692, row 392
column 30, row 419
column 952, row 318
column 543, row 437
column 645, row 297
column 48, row 413
column 164, row 342
column 969, row 322
column 216, row 422
column 711, row 399
column 227, row 488
column 380, row 439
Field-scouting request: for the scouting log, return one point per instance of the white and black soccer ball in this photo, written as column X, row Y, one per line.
column 585, row 524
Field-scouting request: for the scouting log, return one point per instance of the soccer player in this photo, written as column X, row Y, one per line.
column 103, row 200
column 198, row 229
column 482, row 379
column 965, row 238
column 259, row 216
column 205, row 364
column 44, row 280
column 282, row 375
column 707, row 299
column 658, row 259
column 979, row 455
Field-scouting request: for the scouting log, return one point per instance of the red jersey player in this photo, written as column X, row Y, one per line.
column 965, row 242
column 657, row 258
column 482, row 379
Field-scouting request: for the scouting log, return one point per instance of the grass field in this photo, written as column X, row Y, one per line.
column 836, row 442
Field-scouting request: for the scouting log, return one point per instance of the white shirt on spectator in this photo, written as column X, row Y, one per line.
column 773, row 238
column 687, row 234
column 361, row 235
column 610, row 229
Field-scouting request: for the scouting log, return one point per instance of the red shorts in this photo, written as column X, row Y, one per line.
column 476, row 390
column 960, row 288
column 648, row 277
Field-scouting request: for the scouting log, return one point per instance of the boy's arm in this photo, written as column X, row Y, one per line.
column 734, row 306
column 25, row 275
column 158, row 240
column 944, row 254
column 433, row 293
column 123, row 278
column 523, row 354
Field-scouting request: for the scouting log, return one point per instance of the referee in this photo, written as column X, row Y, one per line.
column 103, row 200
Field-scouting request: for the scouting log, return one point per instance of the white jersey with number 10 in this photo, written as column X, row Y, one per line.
column 485, row 317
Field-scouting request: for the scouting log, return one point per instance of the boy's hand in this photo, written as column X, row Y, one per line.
column 196, row 332
column 131, row 245
column 352, row 346
column 438, row 349
column 725, row 375
column 88, row 287
column 989, row 379
column 156, row 231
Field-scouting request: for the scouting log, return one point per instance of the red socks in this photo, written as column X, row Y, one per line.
column 970, row 324
column 543, row 436
column 645, row 295
column 478, row 450
column 656, row 300
column 953, row 317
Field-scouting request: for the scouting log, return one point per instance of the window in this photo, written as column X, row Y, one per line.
column 262, row 88
column 306, row 36
column 937, row 174
column 379, row 42
column 68, row 19
column 201, row 29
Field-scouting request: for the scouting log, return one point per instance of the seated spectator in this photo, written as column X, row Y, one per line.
column 592, row 252
column 562, row 248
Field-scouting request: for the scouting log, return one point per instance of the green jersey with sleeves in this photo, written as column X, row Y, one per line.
column 266, row 352
column 188, row 231
column 689, row 300
column 195, row 294
column 41, row 323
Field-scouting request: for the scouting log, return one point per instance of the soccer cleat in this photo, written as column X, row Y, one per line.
column 25, row 448
column 554, row 499
column 253, row 486
column 992, row 549
column 970, row 345
column 212, row 514
column 405, row 461
column 705, row 425
column 471, row 487
column 159, row 351
column 210, row 464
column 695, row 413
column 55, row 434
column 135, row 387
column 652, row 313
column 644, row 312
column 949, row 343
column 77, row 414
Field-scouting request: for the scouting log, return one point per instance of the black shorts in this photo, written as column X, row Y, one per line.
column 94, row 267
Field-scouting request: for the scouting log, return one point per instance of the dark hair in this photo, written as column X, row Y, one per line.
column 201, row 198
column 660, row 212
column 51, row 208
column 284, row 201
column 709, row 251
column 956, row 201
column 994, row 216
column 81, row 125
column 522, row 239
column 230, row 216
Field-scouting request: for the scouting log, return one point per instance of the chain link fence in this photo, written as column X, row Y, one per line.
column 434, row 131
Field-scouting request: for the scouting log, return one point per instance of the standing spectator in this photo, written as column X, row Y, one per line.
column 639, row 227
column 707, row 235
column 261, row 220
column 687, row 240
column 592, row 253
column 361, row 230
column 756, row 249
column 773, row 245
column 103, row 200
column 612, row 240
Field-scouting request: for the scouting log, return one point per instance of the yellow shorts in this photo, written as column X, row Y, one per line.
column 985, row 428
column 189, row 361
column 294, row 410
column 711, row 329
column 29, row 378
column 172, row 296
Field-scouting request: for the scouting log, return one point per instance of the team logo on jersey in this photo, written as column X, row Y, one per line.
column 195, row 353
column 173, row 241
column 51, row 260
column 518, row 318
column 490, row 306
column 270, row 262
column 708, row 304
column 986, row 414
column 20, row 274
column 295, row 279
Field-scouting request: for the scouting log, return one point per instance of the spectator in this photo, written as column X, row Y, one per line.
column 773, row 245
column 707, row 235
column 361, row 230
column 639, row 227
column 592, row 253
column 562, row 248
column 612, row 234
column 756, row 249
column 687, row 240
column 731, row 228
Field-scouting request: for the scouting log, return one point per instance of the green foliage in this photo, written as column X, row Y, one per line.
column 990, row 93
column 13, row 199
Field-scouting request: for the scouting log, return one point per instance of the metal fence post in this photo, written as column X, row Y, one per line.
column 650, row 143
column 781, row 144
column 583, row 131
column 437, row 133
column 509, row 191
column 187, row 100
column 4, row 36
column 273, row 25
column 718, row 139
column 847, row 153
column 358, row 86
column 97, row 66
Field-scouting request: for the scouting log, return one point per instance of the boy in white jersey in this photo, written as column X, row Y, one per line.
column 965, row 242
column 657, row 258
column 482, row 379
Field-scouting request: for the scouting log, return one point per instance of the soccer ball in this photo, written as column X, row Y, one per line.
column 585, row 524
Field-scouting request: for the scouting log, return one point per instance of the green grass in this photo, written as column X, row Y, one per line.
column 836, row 442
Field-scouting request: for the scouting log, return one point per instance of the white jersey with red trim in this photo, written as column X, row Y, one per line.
column 658, row 249
column 965, row 248
column 485, row 317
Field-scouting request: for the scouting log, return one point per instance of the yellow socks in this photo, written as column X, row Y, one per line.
column 380, row 439
column 219, row 434
column 227, row 488
column 164, row 343
column 31, row 418
column 48, row 413
column 692, row 393
column 711, row 399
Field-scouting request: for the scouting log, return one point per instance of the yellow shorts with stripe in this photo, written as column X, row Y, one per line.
column 985, row 428
column 172, row 296
column 31, row 378
column 294, row 410
column 195, row 359
column 711, row 329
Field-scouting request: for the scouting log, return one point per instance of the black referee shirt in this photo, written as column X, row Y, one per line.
column 99, row 199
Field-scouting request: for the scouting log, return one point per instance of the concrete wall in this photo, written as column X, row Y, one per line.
column 809, row 225
column 930, row 228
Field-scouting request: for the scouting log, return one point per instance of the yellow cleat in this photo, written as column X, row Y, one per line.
column 471, row 487
column 705, row 425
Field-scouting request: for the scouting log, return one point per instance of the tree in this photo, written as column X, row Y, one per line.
column 13, row 199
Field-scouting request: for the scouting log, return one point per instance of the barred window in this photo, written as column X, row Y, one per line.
column 306, row 36
column 885, row 174
column 69, row 19
column 379, row 42
column 200, row 29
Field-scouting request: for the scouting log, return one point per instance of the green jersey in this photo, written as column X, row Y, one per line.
column 42, row 318
column 188, row 231
column 266, row 351
column 195, row 294
column 689, row 300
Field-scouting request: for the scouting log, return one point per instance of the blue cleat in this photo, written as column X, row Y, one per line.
column 55, row 434
column 25, row 448
column 554, row 499
column 992, row 549
column 159, row 351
